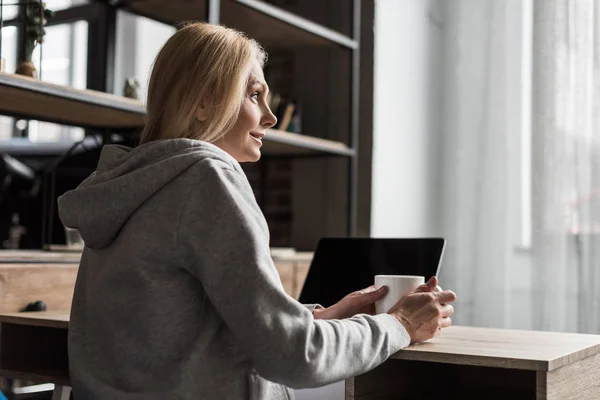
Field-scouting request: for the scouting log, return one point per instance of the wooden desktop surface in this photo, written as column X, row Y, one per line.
column 527, row 350
column 514, row 349
column 491, row 364
column 22, row 283
column 544, row 365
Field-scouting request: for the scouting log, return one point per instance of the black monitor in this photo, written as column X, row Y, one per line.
column 343, row 265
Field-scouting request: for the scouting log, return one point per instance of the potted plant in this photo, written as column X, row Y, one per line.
column 36, row 16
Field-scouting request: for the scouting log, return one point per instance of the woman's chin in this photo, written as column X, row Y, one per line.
column 256, row 156
column 253, row 156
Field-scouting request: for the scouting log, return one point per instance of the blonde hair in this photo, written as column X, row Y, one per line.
column 201, row 64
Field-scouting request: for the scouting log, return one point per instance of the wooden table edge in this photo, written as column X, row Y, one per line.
column 477, row 361
column 566, row 360
column 412, row 353
column 25, row 319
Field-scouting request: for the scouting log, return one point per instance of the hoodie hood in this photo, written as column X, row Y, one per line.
column 125, row 179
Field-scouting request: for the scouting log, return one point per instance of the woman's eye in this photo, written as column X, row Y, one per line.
column 255, row 95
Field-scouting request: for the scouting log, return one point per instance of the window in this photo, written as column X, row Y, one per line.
column 9, row 48
column 9, row 54
column 64, row 62
column 61, row 59
column 9, row 11
column 138, row 41
column 57, row 5
column 64, row 54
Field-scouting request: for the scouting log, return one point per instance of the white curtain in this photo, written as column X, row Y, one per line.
column 566, row 162
column 521, row 174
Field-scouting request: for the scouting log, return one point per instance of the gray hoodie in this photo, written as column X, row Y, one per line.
column 177, row 296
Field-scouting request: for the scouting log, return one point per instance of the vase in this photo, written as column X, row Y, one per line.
column 27, row 68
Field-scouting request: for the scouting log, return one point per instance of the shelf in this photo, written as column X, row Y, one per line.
column 287, row 143
column 22, row 96
column 169, row 12
column 26, row 97
column 272, row 26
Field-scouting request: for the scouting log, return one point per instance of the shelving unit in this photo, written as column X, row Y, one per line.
column 332, row 135
column 293, row 144
column 270, row 25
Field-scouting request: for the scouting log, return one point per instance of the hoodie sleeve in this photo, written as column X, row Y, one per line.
column 226, row 240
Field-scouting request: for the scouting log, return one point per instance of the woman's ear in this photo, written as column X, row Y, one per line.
column 201, row 113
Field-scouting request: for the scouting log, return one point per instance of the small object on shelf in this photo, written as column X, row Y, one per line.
column 36, row 16
column 295, row 124
column 274, row 99
column 14, row 234
column 286, row 118
column 131, row 89
column 2, row 64
column 26, row 68
column 288, row 113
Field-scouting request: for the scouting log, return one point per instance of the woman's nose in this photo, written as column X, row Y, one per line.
column 269, row 119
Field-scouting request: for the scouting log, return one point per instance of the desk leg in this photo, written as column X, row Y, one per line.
column 577, row 381
column 61, row 393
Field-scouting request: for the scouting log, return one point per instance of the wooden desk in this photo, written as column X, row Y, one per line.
column 22, row 283
column 293, row 269
column 479, row 363
column 464, row 363
column 33, row 347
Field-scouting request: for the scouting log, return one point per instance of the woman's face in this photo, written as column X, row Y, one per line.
column 244, row 139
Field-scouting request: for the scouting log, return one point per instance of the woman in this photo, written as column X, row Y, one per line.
column 177, row 296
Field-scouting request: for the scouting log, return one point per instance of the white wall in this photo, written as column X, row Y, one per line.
column 406, row 126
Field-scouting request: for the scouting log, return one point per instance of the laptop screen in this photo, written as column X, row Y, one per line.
column 343, row 265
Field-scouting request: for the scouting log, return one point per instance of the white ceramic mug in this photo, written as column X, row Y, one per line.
column 398, row 286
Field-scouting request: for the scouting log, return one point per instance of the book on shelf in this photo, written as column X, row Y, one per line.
column 287, row 111
column 295, row 124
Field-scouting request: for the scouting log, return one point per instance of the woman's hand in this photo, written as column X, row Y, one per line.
column 425, row 312
column 359, row 302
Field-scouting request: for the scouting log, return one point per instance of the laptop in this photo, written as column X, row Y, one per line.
column 343, row 265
